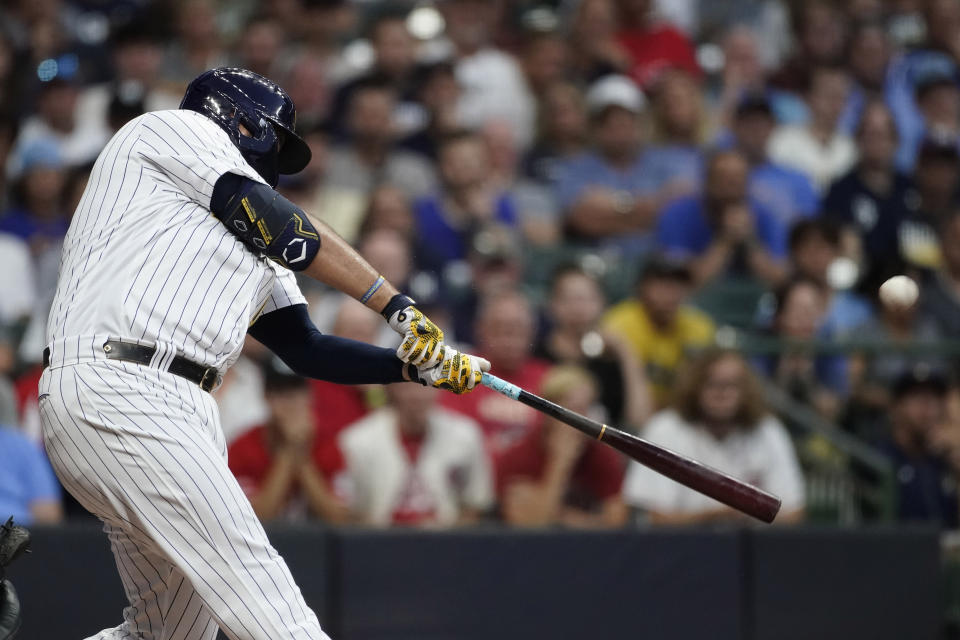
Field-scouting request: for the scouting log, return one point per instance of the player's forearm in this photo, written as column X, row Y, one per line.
column 340, row 266
column 290, row 334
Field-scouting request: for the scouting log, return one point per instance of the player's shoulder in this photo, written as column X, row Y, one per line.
column 182, row 124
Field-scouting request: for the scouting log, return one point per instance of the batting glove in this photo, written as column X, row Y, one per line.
column 422, row 344
column 457, row 372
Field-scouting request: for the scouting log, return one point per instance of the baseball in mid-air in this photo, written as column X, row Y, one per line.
column 899, row 292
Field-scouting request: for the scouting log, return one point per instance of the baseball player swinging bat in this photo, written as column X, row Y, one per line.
column 690, row 473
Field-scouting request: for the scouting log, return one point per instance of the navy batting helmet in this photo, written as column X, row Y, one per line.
column 231, row 97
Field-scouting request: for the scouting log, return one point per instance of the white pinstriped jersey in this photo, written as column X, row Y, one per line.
column 145, row 260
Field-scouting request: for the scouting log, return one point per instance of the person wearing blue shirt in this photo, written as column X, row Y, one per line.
column 787, row 193
column 608, row 195
column 37, row 217
column 28, row 489
column 724, row 231
column 937, row 59
column 446, row 221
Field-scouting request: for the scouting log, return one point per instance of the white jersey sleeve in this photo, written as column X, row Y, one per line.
column 190, row 152
column 285, row 292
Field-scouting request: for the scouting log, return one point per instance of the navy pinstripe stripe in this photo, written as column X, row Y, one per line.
column 173, row 528
column 146, row 258
column 84, row 218
column 227, row 482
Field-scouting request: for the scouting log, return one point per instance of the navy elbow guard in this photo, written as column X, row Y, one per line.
column 265, row 221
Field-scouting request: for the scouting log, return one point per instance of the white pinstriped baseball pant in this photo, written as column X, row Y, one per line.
column 142, row 449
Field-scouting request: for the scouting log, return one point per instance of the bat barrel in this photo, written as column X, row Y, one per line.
column 690, row 473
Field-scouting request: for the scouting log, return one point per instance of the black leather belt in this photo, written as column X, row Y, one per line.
column 206, row 377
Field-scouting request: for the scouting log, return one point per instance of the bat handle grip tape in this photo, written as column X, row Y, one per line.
column 501, row 386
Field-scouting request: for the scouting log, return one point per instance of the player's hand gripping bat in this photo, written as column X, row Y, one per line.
column 690, row 473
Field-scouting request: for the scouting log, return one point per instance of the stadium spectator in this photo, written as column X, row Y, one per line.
column 815, row 247
column 819, row 148
column 873, row 374
column 55, row 123
column 505, row 326
column 575, row 337
column 820, row 32
column 37, row 216
column 937, row 186
column 940, row 290
column 537, row 213
column 369, row 156
column 342, row 206
column 436, row 89
column 596, row 51
column 492, row 81
column 137, row 56
column 653, row 45
column 744, row 75
column 556, row 475
column 873, row 199
column 198, row 45
column 869, row 52
column 723, row 232
column 562, row 132
column 680, row 128
column 446, row 221
column 494, row 265
column 28, row 489
column 919, row 450
column 261, row 45
column 606, row 194
column 394, row 64
column 544, row 59
column 285, row 469
column 658, row 326
column 787, row 193
column 817, row 381
column 17, row 286
column 930, row 65
column 388, row 208
column 415, row 463
column 718, row 417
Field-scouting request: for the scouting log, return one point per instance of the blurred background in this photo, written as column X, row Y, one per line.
column 670, row 215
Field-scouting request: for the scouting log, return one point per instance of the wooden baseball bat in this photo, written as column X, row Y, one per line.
column 690, row 473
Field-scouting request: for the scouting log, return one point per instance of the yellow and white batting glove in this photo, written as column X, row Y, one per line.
column 457, row 372
column 422, row 344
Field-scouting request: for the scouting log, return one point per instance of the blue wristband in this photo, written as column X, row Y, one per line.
column 373, row 289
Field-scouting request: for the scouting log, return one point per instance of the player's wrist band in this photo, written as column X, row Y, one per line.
column 397, row 302
column 373, row 289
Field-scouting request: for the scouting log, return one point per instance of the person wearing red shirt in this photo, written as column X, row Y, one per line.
column 556, row 475
column 284, row 468
column 653, row 46
column 505, row 327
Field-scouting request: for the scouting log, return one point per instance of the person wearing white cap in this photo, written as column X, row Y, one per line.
column 607, row 194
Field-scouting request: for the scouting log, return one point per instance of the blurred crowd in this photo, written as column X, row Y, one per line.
column 595, row 195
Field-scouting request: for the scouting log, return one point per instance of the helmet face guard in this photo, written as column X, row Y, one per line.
column 231, row 97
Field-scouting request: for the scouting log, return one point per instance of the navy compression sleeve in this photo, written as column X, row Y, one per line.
column 290, row 334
